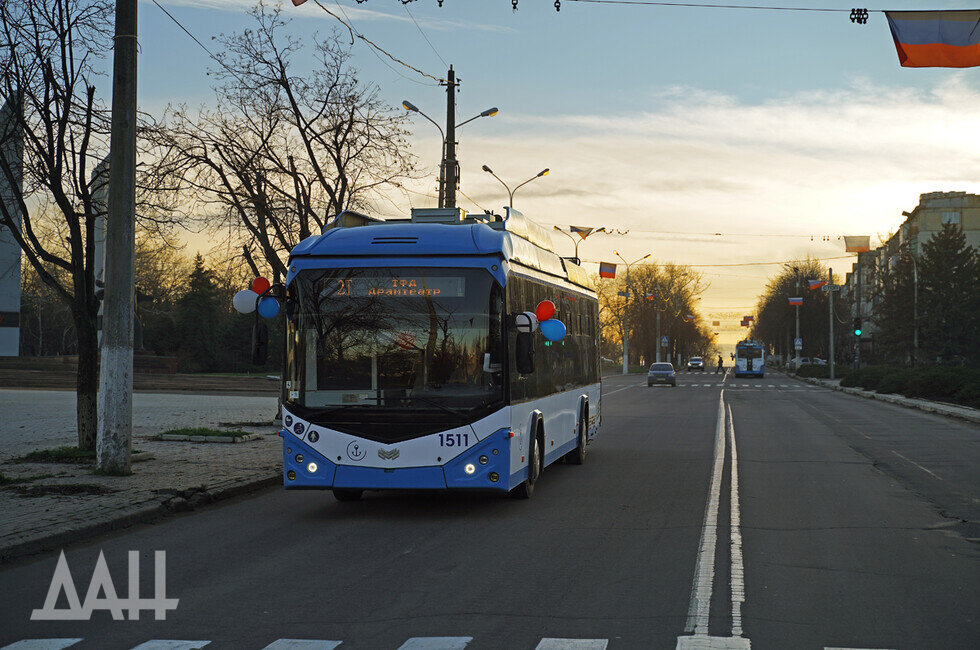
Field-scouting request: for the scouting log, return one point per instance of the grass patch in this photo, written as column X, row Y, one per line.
column 65, row 489
column 72, row 455
column 201, row 431
column 17, row 480
column 946, row 384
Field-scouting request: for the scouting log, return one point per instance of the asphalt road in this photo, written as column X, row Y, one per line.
column 857, row 528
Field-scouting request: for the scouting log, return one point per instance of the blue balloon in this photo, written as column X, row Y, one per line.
column 552, row 329
column 268, row 307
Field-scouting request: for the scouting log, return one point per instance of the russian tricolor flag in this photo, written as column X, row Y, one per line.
column 816, row 284
column 936, row 39
column 796, row 301
column 607, row 270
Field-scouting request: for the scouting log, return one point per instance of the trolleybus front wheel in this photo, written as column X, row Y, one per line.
column 526, row 488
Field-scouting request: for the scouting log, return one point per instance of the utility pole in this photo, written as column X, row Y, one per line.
column 449, row 163
column 857, row 344
column 830, row 306
column 626, row 325
column 796, row 365
column 658, row 336
column 114, row 441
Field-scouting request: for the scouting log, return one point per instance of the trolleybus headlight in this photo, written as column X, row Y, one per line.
column 494, row 477
column 470, row 468
column 299, row 458
column 484, row 460
column 311, row 468
column 291, row 475
column 495, row 452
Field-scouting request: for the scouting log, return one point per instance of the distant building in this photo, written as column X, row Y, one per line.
column 926, row 219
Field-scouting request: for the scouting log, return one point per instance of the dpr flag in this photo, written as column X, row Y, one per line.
column 936, row 39
column 607, row 270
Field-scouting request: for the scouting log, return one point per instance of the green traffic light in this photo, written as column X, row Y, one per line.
column 857, row 332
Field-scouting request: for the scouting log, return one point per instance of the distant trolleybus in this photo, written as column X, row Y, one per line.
column 405, row 366
column 749, row 359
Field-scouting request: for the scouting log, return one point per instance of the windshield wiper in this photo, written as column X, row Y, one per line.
column 435, row 403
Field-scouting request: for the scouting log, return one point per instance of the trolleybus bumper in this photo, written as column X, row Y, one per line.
column 297, row 475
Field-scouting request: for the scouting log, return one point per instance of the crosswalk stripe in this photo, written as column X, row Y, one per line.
column 302, row 644
column 170, row 644
column 572, row 644
column 436, row 643
column 41, row 644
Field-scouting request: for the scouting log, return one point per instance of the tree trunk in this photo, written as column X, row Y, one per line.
column 87, row 382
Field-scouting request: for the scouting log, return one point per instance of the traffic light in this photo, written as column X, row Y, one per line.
column 857, row 327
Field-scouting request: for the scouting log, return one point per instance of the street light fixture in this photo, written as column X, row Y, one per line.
column 409, row 106
column 626, row 309
column 580, row 239
column 510, row 192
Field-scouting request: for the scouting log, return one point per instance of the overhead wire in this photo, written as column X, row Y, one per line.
column 704, row 5
column 696, row 266
column 419, row 27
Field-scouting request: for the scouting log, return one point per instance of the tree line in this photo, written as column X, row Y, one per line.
column 630, row 305
column 944, row 303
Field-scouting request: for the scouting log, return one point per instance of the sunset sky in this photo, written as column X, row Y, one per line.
column 769, row 127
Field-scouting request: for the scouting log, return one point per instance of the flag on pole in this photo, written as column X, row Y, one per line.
column 716, row 323
column 936, row 39
column 748, row 318
column 297, row 3
column 816, row 284
column 745, row 323
column 796, row 301
column 607, row 270
column 651, row 296
column 581, row 231
column 857, row 243
column 689, row 317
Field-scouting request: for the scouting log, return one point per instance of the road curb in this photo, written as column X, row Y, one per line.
column 959, row 412
column 177, row 502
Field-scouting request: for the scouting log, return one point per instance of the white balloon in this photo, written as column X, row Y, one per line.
column 244, row 301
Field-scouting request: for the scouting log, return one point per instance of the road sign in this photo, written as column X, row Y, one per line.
column 798, row 344
column 663, row 341
column 830, row 287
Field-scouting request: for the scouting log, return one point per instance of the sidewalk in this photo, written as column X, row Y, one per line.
column 940, row 408
column 47, row 505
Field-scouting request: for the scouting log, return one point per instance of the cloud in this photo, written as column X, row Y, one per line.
column 354, row 14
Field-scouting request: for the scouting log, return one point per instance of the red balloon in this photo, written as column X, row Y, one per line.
column 544, row 310
column 259, row 285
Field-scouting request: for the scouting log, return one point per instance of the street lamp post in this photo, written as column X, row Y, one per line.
column 581, row 238
column 658, row 317
column 448, row 176
column 626, row 311
column 510, row 192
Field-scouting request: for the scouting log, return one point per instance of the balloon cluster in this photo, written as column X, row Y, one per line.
column 551, row 328
column 245, row 300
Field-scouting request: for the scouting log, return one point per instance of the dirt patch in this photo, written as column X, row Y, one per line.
column 65, row 489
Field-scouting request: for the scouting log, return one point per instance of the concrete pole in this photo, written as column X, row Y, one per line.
column 452, row 178
column 12, row 150
column 114, row 442
column 626, row 326
column 830, row 308
column 796, row 365
column 658, row 336
column 915, row 311
column 857, row 344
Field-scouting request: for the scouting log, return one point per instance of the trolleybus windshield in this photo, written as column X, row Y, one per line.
column 394, row 340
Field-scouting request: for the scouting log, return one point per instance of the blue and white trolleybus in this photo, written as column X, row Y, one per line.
column 407, row 366
column 749, row 359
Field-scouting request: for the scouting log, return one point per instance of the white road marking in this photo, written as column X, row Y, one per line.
column 712, row 643
column 772, row 385
column 619, row 389
column 302, row 644
column 695, row 384
column 704, row 572
column 909, row 460
column 784, row 386
column 436, row 643
column 169, row 644
column 738, row 568
column 836, row 648
column 572, row 644
column 41, row 644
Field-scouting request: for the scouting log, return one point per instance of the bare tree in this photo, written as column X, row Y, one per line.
column 284, row 150
column 49, row 50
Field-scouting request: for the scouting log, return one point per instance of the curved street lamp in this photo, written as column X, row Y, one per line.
column 510, row 192
column 409, row 106
column 580, row 239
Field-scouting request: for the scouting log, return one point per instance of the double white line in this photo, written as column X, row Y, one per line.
column 704, row 573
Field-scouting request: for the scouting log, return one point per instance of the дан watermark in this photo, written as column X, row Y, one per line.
column 101, row 583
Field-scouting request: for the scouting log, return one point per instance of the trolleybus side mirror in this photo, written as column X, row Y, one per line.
column 260, row 343
column 525, row 353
